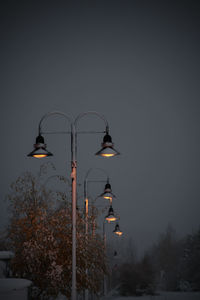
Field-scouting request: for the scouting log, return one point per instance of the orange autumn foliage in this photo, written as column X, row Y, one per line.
column 40, row 236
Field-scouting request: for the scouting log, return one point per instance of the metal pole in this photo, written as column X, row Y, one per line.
column 86, row 231
column 74, row 183
column 86, row 239
column 73, row 175
column 74, row 192
column 86, row 199
column 104, row 241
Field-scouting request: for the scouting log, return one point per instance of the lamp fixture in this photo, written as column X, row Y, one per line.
column 40, row 150
column 107, row 194
column 117, row 230
column 107, row 147
column 110, row 216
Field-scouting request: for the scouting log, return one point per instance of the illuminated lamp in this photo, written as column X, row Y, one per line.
column 107, row 194
column 40, row 150
column 110, row 217
column 107, row 147
column 117, row 230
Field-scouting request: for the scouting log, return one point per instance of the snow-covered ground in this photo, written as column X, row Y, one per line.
column 162, row 296
column 14, row 288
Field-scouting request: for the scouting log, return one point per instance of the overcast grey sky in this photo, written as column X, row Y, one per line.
column 136, row 62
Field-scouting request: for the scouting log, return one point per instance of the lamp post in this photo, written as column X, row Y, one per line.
column 106, row 195
column 104, row 243
column 109, row 218
column 40, row 151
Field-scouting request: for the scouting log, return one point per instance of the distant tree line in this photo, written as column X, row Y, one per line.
column 171, row 264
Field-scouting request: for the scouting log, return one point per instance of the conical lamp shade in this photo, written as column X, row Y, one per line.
column 107, row 147
column 110, row 217
column 107, row 194
column 117, row 230
column 40, row 153
column 107, row 152
column 40, row 150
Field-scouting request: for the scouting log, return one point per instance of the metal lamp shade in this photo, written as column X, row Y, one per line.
column 107, row 147
column 40, row 150
column 117, row 230
column 110, row 217
column 107, row 194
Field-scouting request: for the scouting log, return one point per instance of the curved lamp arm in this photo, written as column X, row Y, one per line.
column 81, row 115
column 92, row 169
column 87, row 175
column 52, row 114
column 73, row 131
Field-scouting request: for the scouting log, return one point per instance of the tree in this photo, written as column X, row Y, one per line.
column 147, row 275
column 40, row 236
column 137, row 278
column 166, row 256
column 190, row 263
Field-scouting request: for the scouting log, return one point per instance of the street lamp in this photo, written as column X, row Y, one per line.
column 86, row 199
column 117, row 230
column 40, row 151
column 110, row 216
column 107, row 147
column 107, row 194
